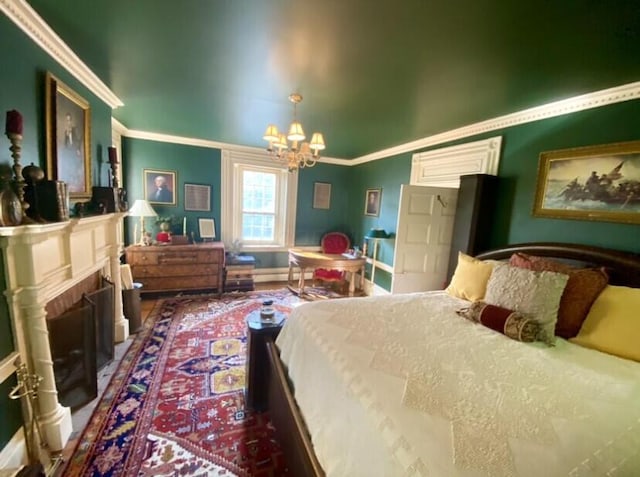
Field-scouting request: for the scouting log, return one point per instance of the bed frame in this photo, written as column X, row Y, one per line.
column 623, row 269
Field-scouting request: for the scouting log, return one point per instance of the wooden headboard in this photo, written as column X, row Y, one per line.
column 623, row 267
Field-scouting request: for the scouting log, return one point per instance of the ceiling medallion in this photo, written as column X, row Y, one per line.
column 291, row 148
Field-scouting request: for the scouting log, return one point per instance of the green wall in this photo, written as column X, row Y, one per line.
column 192, row 164
column 22, row 86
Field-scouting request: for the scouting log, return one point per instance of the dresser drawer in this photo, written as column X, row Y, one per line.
column 178, row 283
column 174, row 270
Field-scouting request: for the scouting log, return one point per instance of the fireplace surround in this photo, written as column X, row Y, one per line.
column 42, row 261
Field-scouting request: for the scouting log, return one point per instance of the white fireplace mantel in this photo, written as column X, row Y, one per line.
column 40, row 262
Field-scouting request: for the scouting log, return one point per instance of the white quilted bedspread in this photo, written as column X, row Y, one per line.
column 402, row 386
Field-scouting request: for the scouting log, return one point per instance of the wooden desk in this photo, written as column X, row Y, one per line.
column 305, row 260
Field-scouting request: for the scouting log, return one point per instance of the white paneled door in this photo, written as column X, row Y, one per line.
column 423, row 238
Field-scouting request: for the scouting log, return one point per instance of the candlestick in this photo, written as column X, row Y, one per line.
column 113, row 163
column 14, row 123
column 184, row 226
column 18, row 182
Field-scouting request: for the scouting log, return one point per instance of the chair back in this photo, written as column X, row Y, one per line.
column 335, row 242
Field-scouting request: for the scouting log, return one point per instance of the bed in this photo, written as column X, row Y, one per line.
column 402, row 385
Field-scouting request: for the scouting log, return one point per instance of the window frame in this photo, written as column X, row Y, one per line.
column 234, row 163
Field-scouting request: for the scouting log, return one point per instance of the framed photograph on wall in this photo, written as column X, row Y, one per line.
column 68, row 128
column 160, row 186
column 372, row 202
column 321, row 195
column 590, row 183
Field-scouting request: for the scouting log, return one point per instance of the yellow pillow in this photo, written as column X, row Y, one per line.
column 469, row 281
column 613, row 323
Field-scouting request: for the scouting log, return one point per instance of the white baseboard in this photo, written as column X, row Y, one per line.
column 14, row 454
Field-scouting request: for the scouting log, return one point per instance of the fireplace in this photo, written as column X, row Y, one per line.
column 45, row 261
column 81, row 339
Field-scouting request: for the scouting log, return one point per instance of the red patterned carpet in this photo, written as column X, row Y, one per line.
column 175, row 406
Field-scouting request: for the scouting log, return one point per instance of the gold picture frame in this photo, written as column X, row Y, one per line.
column 590, row 183
column 68, row 125
column 160, row 186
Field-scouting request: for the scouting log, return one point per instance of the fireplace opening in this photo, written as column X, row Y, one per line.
column 82, row 341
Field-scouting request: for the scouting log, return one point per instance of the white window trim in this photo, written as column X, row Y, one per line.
column 232, row 163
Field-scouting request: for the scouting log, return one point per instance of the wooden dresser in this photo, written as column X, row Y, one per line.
column 177, row 267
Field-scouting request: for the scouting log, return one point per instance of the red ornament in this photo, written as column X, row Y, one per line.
column 14, row 122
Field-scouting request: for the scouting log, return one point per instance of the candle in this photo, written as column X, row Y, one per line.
column 113, row 155
column 14, row 122
column 184, row 226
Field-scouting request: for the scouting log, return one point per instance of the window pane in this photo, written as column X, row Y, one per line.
column 259, row 192
column 258, row 227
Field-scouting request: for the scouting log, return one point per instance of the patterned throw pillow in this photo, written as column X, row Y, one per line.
column 536, row 294
column 583, row 287
column 508, row 322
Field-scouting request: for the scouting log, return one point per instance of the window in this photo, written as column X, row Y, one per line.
column 258, row 201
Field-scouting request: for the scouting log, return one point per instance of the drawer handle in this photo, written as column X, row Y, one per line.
column 170, row 259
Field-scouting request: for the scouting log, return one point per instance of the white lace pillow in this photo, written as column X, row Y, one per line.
column 536, row 294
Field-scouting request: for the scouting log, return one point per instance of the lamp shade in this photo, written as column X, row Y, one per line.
column 271, row 134
column 295, row 132
column 377, row 234
column 317, row 142
column 142, row 208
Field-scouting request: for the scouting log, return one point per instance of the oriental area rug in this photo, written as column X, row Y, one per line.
column 175, row 406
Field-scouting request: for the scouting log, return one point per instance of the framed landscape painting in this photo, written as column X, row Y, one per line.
column 68, row 138
column 590, row 183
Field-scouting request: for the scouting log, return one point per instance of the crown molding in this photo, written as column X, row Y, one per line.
column 26, row 18
column 583, row 102
column 618, row 94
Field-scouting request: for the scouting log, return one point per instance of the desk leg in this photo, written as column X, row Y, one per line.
column 301, row 281
column 352, row 283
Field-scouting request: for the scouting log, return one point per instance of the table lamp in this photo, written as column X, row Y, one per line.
column 142, row 209
column 376, row 235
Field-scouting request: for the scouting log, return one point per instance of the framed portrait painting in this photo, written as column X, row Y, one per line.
column 590, row 183
column 160, row 186
column 68, row 125
column 372, row 202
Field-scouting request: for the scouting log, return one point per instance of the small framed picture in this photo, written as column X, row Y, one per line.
column 207, row 229
column 372, row 202
column 321, row 195
column 160, row 186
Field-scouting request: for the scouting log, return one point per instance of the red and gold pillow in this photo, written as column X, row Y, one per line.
column 583, row 287
column 510, row 323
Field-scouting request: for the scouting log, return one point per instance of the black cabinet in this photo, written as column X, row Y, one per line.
column 477, row 198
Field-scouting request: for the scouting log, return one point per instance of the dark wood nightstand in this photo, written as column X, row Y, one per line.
column 238, row 273
column 258, row 334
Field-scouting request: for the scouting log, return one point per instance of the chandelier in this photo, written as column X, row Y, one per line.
column 292, row 148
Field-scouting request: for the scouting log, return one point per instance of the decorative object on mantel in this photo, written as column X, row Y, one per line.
column 141, row 208
column 33, row 175
column 113, row 163
column 13, row 130
column 10, row 208
column 298, row 154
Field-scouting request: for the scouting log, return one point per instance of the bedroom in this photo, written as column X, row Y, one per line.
column 22, row 89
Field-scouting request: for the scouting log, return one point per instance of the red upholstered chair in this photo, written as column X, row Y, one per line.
column 332, row 242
